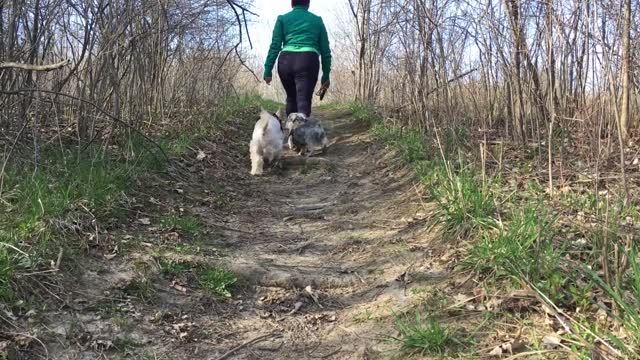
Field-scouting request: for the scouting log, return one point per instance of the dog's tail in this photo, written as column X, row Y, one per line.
column 265, row 117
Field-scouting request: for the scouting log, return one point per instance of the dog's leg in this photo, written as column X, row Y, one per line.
column 290, row 141
column 310, row 152
column 257, row 164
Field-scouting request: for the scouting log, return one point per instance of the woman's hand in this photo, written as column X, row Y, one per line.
column 268, row 80
column 326, row 84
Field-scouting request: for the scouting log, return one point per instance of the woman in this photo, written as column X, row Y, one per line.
column 299, row 37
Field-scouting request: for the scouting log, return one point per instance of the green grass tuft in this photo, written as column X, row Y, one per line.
column 189, row 225
column 175, row 268
column 524, row 246
column 464, row 205
column 217, row 282
column 424, row 337
column 44, row 213
column 364, row 113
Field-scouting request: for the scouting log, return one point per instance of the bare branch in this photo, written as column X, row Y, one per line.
column 45, row 68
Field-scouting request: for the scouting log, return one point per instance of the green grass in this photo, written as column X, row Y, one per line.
column 214, row 281
column 364, row 113
column 410, row 143
column 627, row 301
column 514, row 241
column 217, row 282
column 206, row 122
column 189, row 225
column 464, row 205
column 523, row 246
column 75, row 191
column 424, row 337
column 41, row 214
column 175, row 268
column 141, row 288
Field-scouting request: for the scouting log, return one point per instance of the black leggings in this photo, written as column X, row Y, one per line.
column 299, row 74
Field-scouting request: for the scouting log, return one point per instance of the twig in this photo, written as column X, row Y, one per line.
column 248, row 343
column 14, row 248
column 59, row 259
column 234, row 6
column 46, row 351
column 30, row 67
column 222, row 227
column 544, row 299
column 451, row 80
column 540, row 352
column 328, row 355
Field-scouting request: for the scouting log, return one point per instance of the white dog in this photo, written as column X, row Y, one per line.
column 266, row 143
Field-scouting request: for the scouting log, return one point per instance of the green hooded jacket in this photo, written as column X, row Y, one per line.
column 299, row 31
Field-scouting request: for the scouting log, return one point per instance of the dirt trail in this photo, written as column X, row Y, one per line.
column 320, row 250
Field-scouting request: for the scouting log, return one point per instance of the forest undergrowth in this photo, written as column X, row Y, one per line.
column 53, row 215
column 570, row 256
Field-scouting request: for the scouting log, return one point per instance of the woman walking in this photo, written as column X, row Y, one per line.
column 299, row 37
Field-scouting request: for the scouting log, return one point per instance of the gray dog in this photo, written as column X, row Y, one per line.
column 305, row 134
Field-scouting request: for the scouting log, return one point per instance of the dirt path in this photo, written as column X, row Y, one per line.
column 319, row 250
column 331, row 242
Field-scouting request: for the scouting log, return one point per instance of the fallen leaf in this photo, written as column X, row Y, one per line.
column 180, row 191
column 480, row 294
column 201, row 155
column 552, row 341
column 402, row 277
column 497, row 351
column 462, row 299
column 296, row 308
column 309, row 291
column 5, row 346
column 179, row 287
column 144, row 221
column 494, row 304
column 110, row 256
column 102, row 345
column 23, row 340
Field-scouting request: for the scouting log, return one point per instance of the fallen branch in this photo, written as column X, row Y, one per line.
column 31, row 67
column 451, row 80
column 438, row 88
column 248, row 343
column 559, row 314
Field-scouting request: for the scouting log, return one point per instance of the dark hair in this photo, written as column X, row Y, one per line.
column 300, row 3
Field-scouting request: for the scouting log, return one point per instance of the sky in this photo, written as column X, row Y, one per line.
column 262, row 28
